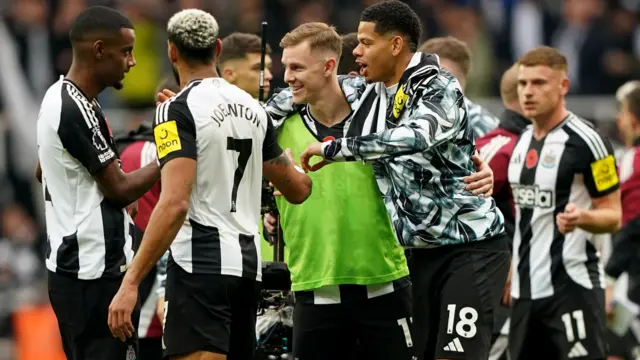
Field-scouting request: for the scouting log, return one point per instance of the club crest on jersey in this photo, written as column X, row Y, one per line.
column 399, row 101
column 131, row 353
column 167, row 139
column 549, row 160
column 604, row 173
column 531, row 196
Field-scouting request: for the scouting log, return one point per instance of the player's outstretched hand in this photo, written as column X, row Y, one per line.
column 312, row 150
column 120, row 311
column 164, row 95
column 482, row 181
column 568, row 220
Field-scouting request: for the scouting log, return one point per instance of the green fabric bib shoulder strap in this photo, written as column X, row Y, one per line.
column 341, row 234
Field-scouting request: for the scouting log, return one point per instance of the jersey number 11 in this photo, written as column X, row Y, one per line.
column 244, row 148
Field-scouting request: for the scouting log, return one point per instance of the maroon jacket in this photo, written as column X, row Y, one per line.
column 630, row 182
column 495, row 148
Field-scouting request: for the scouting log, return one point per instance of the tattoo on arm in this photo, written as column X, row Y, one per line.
column 281, row 160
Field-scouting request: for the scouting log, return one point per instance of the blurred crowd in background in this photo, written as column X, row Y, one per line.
column 601, row 39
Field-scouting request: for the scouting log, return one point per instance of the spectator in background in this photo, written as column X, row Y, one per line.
column 28, row 26
column 583, row 36
column 463, row 22
column 455, row 57
column 21, row 275
column 141, row 81
column 621, row 59
column 347, row 64
column 239, row 63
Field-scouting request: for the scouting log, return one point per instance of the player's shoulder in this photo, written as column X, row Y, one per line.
column 495, row 142
column 496, row 135
column 63, row 102
column 443, row 87
column 178, row 107
column 353, row 86
column 584, row 134
column 280, row 107
column 472, row 107
column 525, row 135
column 217, row 90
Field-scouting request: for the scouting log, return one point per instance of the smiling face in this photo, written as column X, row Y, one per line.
column 375, row 53
column 305, row 71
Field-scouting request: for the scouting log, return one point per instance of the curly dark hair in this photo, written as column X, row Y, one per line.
column 395, row 16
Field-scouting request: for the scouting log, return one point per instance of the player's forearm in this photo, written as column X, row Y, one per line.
column 600, row 221
column 403, row 140
column 164, row 224
column 138, row 182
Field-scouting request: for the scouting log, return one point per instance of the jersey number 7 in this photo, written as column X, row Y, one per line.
column 244, row 148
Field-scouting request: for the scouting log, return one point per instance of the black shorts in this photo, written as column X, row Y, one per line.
column 150, row 349
column 213, row 313
column 456, row 291
column 624, row 347
column 374, row 329
column 82, row 309
column 568, row 325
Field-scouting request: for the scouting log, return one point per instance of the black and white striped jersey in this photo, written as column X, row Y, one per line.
column 228, row 133
column 572, row 163
column 87, row 236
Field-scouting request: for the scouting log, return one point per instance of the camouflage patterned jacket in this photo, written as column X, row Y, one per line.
column 421, row 151
column 481, row 120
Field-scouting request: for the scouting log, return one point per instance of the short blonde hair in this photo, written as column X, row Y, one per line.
column 449, row 48
column 544, row 56
column 319, row 35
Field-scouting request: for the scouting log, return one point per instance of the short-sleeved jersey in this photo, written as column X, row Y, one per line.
column 572, row 163
column 228, row 133
column 88, row 237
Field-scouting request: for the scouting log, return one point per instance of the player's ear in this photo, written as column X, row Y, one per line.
column 218, row 48
column 397, row 43
column 564, row 85
column 229, row 75
column 98, row 49
column 330, row 66
column 172, row 52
